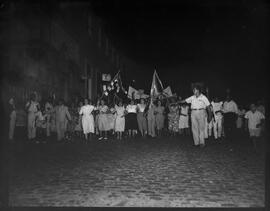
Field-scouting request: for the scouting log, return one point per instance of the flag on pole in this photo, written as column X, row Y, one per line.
column 116, row 81
column 156, row 87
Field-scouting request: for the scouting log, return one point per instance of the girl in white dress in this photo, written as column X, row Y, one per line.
column 184, row 120
column 120, row 120
column 88, row 123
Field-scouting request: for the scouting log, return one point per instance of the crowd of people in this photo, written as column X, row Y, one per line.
column 218, row 120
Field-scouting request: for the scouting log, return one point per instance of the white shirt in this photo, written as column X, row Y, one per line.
column 131, row 108
column 86, row 110
column 32, row 106
column 230, row 107
column 217, row 107
column 200, row 102
column 141, row 107
column 184, row 110
column 103, row 109
column 254, row 119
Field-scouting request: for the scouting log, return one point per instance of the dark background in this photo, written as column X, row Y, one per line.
column 223, row 43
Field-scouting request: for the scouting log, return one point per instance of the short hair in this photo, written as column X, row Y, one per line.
column 198, row 87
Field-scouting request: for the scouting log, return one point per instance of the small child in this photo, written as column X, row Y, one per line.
column 184, row 120
column 240, row 120
column 254, row 122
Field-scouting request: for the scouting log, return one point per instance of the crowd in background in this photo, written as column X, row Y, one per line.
column 40, row 122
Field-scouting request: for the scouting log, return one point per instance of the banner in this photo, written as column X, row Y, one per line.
column 106, row 77
column 136, row 94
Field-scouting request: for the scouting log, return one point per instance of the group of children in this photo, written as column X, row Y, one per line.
column 144, row 117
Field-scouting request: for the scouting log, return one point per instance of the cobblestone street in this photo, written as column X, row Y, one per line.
column 140, row 172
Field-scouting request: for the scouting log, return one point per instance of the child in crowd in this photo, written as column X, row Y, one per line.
column 254, row 123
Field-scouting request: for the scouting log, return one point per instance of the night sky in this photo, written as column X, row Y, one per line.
column 223, row 43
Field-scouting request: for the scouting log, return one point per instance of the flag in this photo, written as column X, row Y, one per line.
column 106, row 77
column 156, row 87
column 132, row 92
column 167, row 92
column 116, row 81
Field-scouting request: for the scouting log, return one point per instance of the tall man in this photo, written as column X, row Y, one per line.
column 199, row 109
column 230, row 111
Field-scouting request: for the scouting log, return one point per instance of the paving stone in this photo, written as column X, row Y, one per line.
column 144, row 173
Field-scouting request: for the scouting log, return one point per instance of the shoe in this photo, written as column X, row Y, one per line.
column 100, row 138
column 202, row 145
column 105, row 138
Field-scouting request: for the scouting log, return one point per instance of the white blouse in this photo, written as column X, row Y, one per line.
column 86, row 109
column 141, row 107
column 131, row 108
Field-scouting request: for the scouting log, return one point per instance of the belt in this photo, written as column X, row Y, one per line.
column 197, row 109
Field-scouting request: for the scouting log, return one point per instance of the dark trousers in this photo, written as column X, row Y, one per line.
column 230, row 125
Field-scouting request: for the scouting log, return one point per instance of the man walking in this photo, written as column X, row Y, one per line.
column 62, row 115
column 199, row 110
column 230, row 111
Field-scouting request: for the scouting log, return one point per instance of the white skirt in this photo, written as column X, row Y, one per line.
column 183, row 122
column 88, row 124
column 120, row 124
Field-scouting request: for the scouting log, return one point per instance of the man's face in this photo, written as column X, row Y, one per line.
column 252, row 107
column 196, row 92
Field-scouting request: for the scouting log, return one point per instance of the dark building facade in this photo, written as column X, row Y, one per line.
column 57, row 51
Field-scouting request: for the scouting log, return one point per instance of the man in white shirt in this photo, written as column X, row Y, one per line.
column 230, row 111
column 254, row 122
column 199, row 110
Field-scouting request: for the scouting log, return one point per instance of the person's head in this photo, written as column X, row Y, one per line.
column 33, row 97
column 228, row 98
column 197, row 90
column 142, row 101
column 159, row 103
column 90, row 102
column 102, row 102
column 11, row 101
column 215, row 99
column 131, row 102
column 85, row 101
column 61, row 102
column 80, row 104
column 252, row 107
column 120, row 103
column 240, row 107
